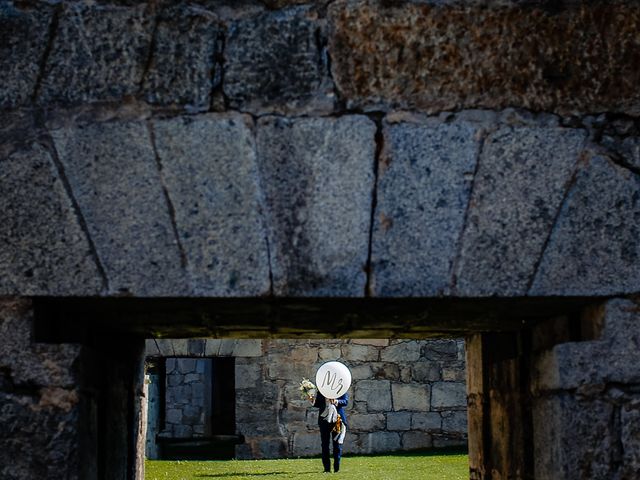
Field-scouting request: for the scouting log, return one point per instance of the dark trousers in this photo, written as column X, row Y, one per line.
column 326, row 436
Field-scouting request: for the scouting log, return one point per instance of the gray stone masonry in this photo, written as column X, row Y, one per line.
column 387, row 411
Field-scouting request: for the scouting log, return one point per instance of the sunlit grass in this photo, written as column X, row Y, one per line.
column 418, row 466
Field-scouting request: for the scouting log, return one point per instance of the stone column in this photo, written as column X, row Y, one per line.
column 586, row 406
column 560, row 401
column 46, row 418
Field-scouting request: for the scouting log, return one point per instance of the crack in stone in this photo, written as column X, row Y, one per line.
column 167, row 197
column 217, row 72
column 455, row 265
column 53, row 30
column 379, row 139
column 50, row 145
column 582, row 160
column 152, row 47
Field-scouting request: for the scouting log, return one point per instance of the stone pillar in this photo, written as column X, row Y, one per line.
column 68, row 411
column 46, row 418
column 586, row 407
column 560, row 401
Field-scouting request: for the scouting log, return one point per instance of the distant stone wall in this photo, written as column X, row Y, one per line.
column 188, row 395
column 406, row 394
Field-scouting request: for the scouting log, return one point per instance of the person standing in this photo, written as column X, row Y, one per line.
column 329, row 433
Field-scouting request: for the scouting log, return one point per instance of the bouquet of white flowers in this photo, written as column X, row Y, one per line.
column 307, row 389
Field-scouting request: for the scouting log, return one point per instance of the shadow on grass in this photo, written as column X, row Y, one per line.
column 431, row 452
column 244, row 474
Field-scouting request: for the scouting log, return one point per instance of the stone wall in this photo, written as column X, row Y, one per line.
column 188, row 397
column 211, row 148
column 406, row 394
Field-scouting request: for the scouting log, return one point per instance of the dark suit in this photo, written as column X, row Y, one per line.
column 325, row 431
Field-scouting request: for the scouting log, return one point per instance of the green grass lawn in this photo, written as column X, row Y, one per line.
column 418, row 466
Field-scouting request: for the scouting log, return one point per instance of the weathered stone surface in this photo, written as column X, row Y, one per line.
column 454, row 422
column 183, row 69
column 306, row 444
column 209, row 167
column 99, row 53
column 248, row 348
column 424, row 181
column 380, row 342
column 361, row 353
column 448, row 394
column 366, row 422
column 416, row 440
column 383, row 441
column 43, row 248
column 521, row 181
column 440, row 350
column 23, row 41
column 447, row 57
column 426, row 372
column 429, row 421
column 571, row 365
column 572, row 438
column 630, row 439
column 401, row 352
column 594, row 248
column 399, row 421
column 274, row 63
column 181, row 347
column 31, row 446
column 318, row 178
column 410, row 396
column 627, row 148
column 376, row 393
column 114, row 177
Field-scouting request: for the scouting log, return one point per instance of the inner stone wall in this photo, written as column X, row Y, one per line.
column 405, row 394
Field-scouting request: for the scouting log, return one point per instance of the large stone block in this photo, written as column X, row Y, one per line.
column 429, row 421
column 360, row 353
column 410, row 397
column 209, row 168
column 416, row 440
column 306, row 444
column 23, row 41
column 571, row 365
column 366, row 422
column 446, row 395
column 378, row 442
column 424, row 180
column 274, row 62
column 594, row 248
column 401, row 352
column 183, row 69
column 520, row 184
column 317, row 175
column 376, row 393
column 454, row 422
column 99, row 53
column 630, row 438
column 399, row 421
column 573, row 438
column 114, row 177
column 43, row 248
column 435, row 56
column 40, row 435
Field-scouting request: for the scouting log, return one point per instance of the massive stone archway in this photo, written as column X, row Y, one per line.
column 250, row 168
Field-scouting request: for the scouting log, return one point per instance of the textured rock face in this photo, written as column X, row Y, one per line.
column 274, row 63
column 424, row 180
column 522, row 178
column 41, row 236
column 113, row 174
column 581, row 259
column 210, row 172
column 439, row 57
column 98, row 54
column 317, row 177
column 183, row 69
column 23, row 42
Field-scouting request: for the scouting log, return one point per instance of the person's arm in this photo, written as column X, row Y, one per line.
column 343, row 401
column 319, row 401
